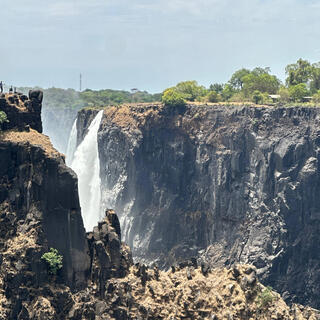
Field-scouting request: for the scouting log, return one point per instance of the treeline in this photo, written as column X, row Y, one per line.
column 258, row 85
column 70, row 98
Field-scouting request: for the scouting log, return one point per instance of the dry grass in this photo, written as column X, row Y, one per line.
column 176, row 296
column 33, row 137
column 133, row 115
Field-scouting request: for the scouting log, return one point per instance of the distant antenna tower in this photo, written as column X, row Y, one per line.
column 80, row 82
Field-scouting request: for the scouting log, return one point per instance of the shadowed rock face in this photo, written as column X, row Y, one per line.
column 229, row 184
column 39, row 209
column 84, row 119
column 37, row 190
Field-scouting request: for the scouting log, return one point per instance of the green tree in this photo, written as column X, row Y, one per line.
column 173, row 98
column 217, row 87
column 284, row 94
column 257, row 97
column 299, row 72
column 315, row 77
column 213, row 96
column 316, row 97
column 236, row 80
column 261, row 81
column 298, row 92
column 53, row 260
column 191, row 90
column 227, row 92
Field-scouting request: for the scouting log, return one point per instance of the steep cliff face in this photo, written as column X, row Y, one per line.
column 84, row 119
column 227, row 183
column 39, row 208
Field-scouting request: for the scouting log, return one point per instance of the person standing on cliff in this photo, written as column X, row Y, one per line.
column 1, row 86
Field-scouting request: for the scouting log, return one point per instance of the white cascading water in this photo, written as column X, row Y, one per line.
column 86, row 165
column 72, row 144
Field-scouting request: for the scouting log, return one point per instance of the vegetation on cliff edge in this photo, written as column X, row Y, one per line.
column 258, row 85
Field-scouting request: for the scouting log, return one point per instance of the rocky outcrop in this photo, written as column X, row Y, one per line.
column 84, row 119
column 229, row 184
column 22, row 111
column 39, row 208
column 109, row 257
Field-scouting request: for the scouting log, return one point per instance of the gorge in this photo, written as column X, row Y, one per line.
column 157, row 165
column 227, row 184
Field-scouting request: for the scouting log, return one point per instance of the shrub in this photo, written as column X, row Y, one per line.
column 265, row 297
column 284, row 95
column 257, row 97
column 316, row 97
column 53, row 260
column 190, row 90
column 298, row 92
column 213, row 96
column 173, row 98
column 3, row 118
column 238, row 97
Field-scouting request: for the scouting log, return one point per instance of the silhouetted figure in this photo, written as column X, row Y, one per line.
column 11, row 90
column 1, row 86
column 15, row 90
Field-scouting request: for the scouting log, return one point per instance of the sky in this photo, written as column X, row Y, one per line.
column 151, row 44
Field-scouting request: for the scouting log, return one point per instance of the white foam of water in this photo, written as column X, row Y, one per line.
column 86, row 164
column 72, row 144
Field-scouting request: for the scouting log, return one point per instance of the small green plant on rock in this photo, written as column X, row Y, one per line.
column 53, row 259
column 265, row 297
column 3, row 118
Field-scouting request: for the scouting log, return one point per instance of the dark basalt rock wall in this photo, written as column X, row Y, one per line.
column 39, row 209
column 84, row 119
column 226, row 183
column 36, row 190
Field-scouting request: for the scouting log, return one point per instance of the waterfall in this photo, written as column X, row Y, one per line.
column 72, row 144
column 87, row 167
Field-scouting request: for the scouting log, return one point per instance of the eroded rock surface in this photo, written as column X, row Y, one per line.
column 232, row 184
column 22, row 111
column 39, row 209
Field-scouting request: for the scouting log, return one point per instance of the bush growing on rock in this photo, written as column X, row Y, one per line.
column 53, row 260
column 265, row 298
column 3, row 118
column 257, row 97
column 173, row 98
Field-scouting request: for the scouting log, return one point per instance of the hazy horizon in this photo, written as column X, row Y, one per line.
column 151, row 46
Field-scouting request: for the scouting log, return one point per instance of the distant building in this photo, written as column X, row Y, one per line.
column 306, row 99
column 274, row 97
